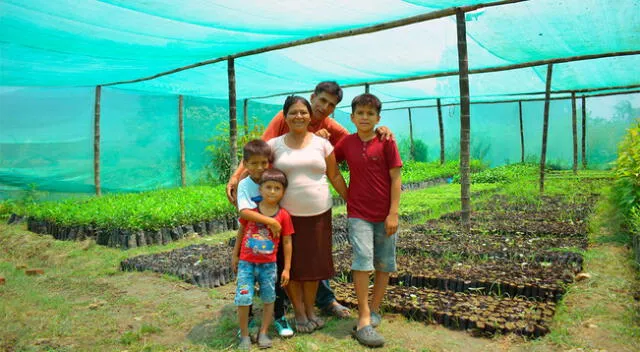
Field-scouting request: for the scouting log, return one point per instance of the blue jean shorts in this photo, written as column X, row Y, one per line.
column 372, row 248
column 250, row 273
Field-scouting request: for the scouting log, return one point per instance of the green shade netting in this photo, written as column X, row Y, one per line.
column 53, row 54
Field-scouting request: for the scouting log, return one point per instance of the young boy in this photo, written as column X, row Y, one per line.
column 257, row 156
column 372, row 211
column 254, row 256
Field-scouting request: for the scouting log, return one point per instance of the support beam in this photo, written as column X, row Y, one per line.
column 495, row 69
column 96, row 141
column 441, row 128
column 465, row 118
column 233, row 128
column 366, row 87
column 183, row 164
column 545, row 126
column 245, row 116
column 574, row 129
column 521, row 133
column 412, row 150
column 513, row 100
column 584, row 132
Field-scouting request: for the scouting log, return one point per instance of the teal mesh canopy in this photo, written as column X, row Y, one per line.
column 54, row 53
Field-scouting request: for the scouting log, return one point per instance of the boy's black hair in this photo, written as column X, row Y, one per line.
column 366, row 99
column 274, row 174
column 257, row 147
column 292, row 99
column 330, row 87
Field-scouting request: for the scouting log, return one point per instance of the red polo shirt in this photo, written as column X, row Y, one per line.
column 370, row 183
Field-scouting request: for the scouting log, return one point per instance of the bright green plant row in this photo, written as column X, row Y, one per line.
column 148, row 210
column 505, row 173
column 627, row 170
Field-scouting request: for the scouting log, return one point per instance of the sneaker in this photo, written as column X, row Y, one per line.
column 245, row 343
column 264, row 341
column 283, row 327
column 376, row 319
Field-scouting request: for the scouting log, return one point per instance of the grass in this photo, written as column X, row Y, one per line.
column 84, row 303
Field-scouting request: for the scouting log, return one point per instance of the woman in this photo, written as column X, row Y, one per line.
column 309, row 164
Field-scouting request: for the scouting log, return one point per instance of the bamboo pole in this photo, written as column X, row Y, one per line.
column 183, row 167
column 412, row 150
column 233, row 129
column 545, row 126
column 465, row 125
column 574, row 127
column 492, row 69
column 441, row 128
column 323, row 37
column 509, row 101
column 521, row 133
column 584, row 132
column 96, row 141
column 245, row 116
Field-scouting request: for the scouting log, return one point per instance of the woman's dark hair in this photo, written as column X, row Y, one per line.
column 292, row 99
column 330, row 87
column 257, row 147
column 364, row 100
column 274, row 174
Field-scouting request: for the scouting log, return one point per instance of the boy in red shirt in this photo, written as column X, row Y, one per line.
column 372, row 211
column 254, row 257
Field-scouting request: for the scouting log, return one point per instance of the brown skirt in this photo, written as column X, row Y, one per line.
column 312, row 259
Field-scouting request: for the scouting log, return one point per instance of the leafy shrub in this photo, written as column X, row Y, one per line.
column 220, row 166
column 626, row 189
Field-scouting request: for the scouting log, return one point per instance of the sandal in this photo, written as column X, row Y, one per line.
column 337, row 310
column 304, row 327
column 317, row 322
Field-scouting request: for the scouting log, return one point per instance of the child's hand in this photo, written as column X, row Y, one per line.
column 275, row 228
column 284, row 278
column 391, row 224
column 234, row 263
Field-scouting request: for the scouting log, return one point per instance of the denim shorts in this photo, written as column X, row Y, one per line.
column 372, row 248
column 250, row 273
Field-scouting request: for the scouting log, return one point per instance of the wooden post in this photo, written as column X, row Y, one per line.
column 584, row 132
column 545, row 126
column 465, row 118
column 366, row 87
column 412, row 150
column 96, row 142
column 574, row 125
column 441, row 127
column 521, row 133
column 233, row 128
column 245, row 108
column 183, row 168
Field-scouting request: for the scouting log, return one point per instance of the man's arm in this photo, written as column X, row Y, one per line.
column 391, row 222
column 385, row 133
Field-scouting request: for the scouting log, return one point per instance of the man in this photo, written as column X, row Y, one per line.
column 324, row 100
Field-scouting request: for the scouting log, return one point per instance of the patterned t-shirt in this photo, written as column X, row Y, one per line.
column 258, row 243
